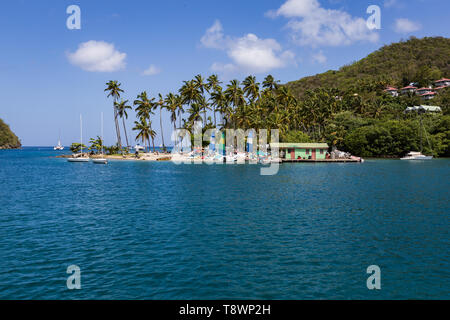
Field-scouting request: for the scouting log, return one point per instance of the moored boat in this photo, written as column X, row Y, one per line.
column 80, row 157
column 415, row 155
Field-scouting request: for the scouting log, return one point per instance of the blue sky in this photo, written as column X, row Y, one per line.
column 50, row 74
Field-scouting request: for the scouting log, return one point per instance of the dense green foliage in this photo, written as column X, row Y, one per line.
column 7, row 138
column 399, row 64
column 76, row 147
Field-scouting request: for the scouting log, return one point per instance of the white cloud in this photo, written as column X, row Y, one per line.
column 389, row 3
column 213, row 38
column 319, row 57
column 97, row 56
column 247, row 53
column 406, row 26
column 313, row 25
column 152, row 70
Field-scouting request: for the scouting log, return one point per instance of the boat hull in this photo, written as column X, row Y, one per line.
column 418, row 158
column 78, row 160
column 100, row 161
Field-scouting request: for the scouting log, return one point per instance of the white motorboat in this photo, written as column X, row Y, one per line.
column 80, row 157
column 414, row 155
column 138, row 148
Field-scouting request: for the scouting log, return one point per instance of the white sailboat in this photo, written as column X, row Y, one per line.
column 59, row 146
column 80, row 158
column 101, row 160
column 415, row 155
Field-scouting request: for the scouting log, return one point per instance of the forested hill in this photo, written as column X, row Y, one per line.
column 399, row 64
column 8, row 140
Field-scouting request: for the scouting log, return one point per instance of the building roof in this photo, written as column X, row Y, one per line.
column 299, row 145
column 441, row 87
column 391, row 89
column 428, row 94
column 409, row 87
column 421, row 89
column 443, row 79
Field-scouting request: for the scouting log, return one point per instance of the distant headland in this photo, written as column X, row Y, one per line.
column 8, row 140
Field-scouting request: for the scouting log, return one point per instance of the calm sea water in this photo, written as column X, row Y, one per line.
column 141, row 230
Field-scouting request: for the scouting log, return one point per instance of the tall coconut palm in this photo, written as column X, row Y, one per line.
column 122, row 113
column 190, row 93
column 114, row 90
column 203, row 87
column 235, row 95
column 144, row 105
column 251, row 88
column 152, row 134
column 172, row 102
column 161, row 105
column 270, row 83
column 194, row 113
column 219, row 103
column 213, row 85
column 143, row 129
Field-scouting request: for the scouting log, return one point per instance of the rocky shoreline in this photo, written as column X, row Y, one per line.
column 8, row 146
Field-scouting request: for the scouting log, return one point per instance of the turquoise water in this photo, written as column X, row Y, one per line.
column 142, row 230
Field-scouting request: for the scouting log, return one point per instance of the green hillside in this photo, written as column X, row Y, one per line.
column 399, row 64
column 8, row 140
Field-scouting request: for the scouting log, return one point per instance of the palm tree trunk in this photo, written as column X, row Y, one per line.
column 125, row 130
column 174, row 130
column 153, row 143
column 119, row 142
column 160, row 123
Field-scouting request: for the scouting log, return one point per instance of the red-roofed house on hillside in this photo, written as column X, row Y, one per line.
column 422, row 91
column 408, row 89
column 428, row 96
column 442, row 83
column 438, row 89
column 393, row 91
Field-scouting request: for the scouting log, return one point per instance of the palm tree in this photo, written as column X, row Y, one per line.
column 152, row 135
column 143, row 129
column 251, row 88
column 219, row 102
column 190, row 92
column 194, row 113
column 144, row 105
column 161, row 105
column 113, row 87
column 270, row 83
column 122, row 113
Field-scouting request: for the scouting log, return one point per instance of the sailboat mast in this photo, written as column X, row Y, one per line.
column 102, row 131
column 81, row 134
column 421, row 128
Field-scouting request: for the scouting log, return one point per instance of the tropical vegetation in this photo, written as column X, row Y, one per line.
column 8, row 140
column 348, row 109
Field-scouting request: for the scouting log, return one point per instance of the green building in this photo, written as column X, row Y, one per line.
column 300, row 151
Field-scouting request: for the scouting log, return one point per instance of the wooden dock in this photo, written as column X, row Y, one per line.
column 321, row 160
